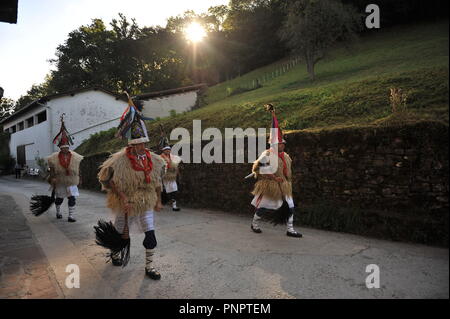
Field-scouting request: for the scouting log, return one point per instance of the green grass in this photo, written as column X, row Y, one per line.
column 352, row 88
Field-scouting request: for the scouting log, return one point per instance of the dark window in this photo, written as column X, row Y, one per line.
column 20, row 126
column 30, row 122
column 42, row 117
column 13, row 128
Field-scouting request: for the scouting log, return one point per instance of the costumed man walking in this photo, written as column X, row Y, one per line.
column 132, row 178
column 273, row 189
column 64, row 174
column 170, row 178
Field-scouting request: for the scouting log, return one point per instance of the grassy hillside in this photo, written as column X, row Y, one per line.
column 352, row 89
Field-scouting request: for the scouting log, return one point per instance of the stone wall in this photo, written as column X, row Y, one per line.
column 386, row 182
column 89, row 168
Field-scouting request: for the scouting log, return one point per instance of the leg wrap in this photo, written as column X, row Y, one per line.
column 259, row 212
column 59, row 201
column 71, row 211
column 173, row 199
column 257, row 217
column 290, row 222
column 149, row 259
column 255, row 220
column 150, row 240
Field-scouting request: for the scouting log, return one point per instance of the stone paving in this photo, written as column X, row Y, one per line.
column 202, row 254
column 24, row 269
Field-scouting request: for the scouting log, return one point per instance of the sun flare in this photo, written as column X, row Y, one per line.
column 194, row 32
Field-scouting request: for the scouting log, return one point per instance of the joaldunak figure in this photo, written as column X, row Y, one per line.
column 132, row 178
column 273, row 190
column 170, row 178
column 64, row 172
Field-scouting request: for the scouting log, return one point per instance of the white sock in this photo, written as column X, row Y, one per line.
column 58, row 209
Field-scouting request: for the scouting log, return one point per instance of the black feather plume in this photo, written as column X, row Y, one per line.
column 280, row 216
column 39, row 204
column 107, row 236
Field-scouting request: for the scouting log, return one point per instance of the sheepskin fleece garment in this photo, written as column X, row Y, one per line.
column 60, row 172
column 141, row 195
column 172, row 170
column 270, row 188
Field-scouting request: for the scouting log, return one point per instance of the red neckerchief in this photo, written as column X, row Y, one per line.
column 167, row 159
column 64, row 160
column 146, row 165
column 281, row 155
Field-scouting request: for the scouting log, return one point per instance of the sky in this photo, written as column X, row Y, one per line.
column 42, row 25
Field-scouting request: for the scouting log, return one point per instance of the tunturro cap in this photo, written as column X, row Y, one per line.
column 63, row 138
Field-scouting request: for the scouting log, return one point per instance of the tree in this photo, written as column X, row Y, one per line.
column 251, row 30
column 6, row 161
column 123, row 57
column 84, row 57
column 6, row 107
column 218, row 15
column 312, row 27
column 35, row 92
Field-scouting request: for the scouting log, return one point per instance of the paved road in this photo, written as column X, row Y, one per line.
column 203, row 254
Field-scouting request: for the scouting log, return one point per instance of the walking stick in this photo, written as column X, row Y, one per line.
column 125, row 251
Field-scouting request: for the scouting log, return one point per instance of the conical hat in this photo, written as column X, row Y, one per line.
column 276, row 134
column 63, row 138
column 131, row 126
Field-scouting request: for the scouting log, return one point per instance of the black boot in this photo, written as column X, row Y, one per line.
column 153, row 274
column 71, row 219
column 256, row 229
column 175, row 208
column 115, row 260
column 294, row 234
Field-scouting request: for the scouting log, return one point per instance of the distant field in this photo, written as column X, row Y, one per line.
column 352, row 89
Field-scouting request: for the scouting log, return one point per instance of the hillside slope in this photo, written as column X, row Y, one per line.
column 352, row 89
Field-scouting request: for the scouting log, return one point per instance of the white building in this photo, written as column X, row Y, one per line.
column 87, row 111
column 161, row 104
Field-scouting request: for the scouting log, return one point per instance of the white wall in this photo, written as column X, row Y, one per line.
column 37, row 140
column 161, row 106
column 86, row 113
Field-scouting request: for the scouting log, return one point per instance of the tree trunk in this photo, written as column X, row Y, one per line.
column 310, row 68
